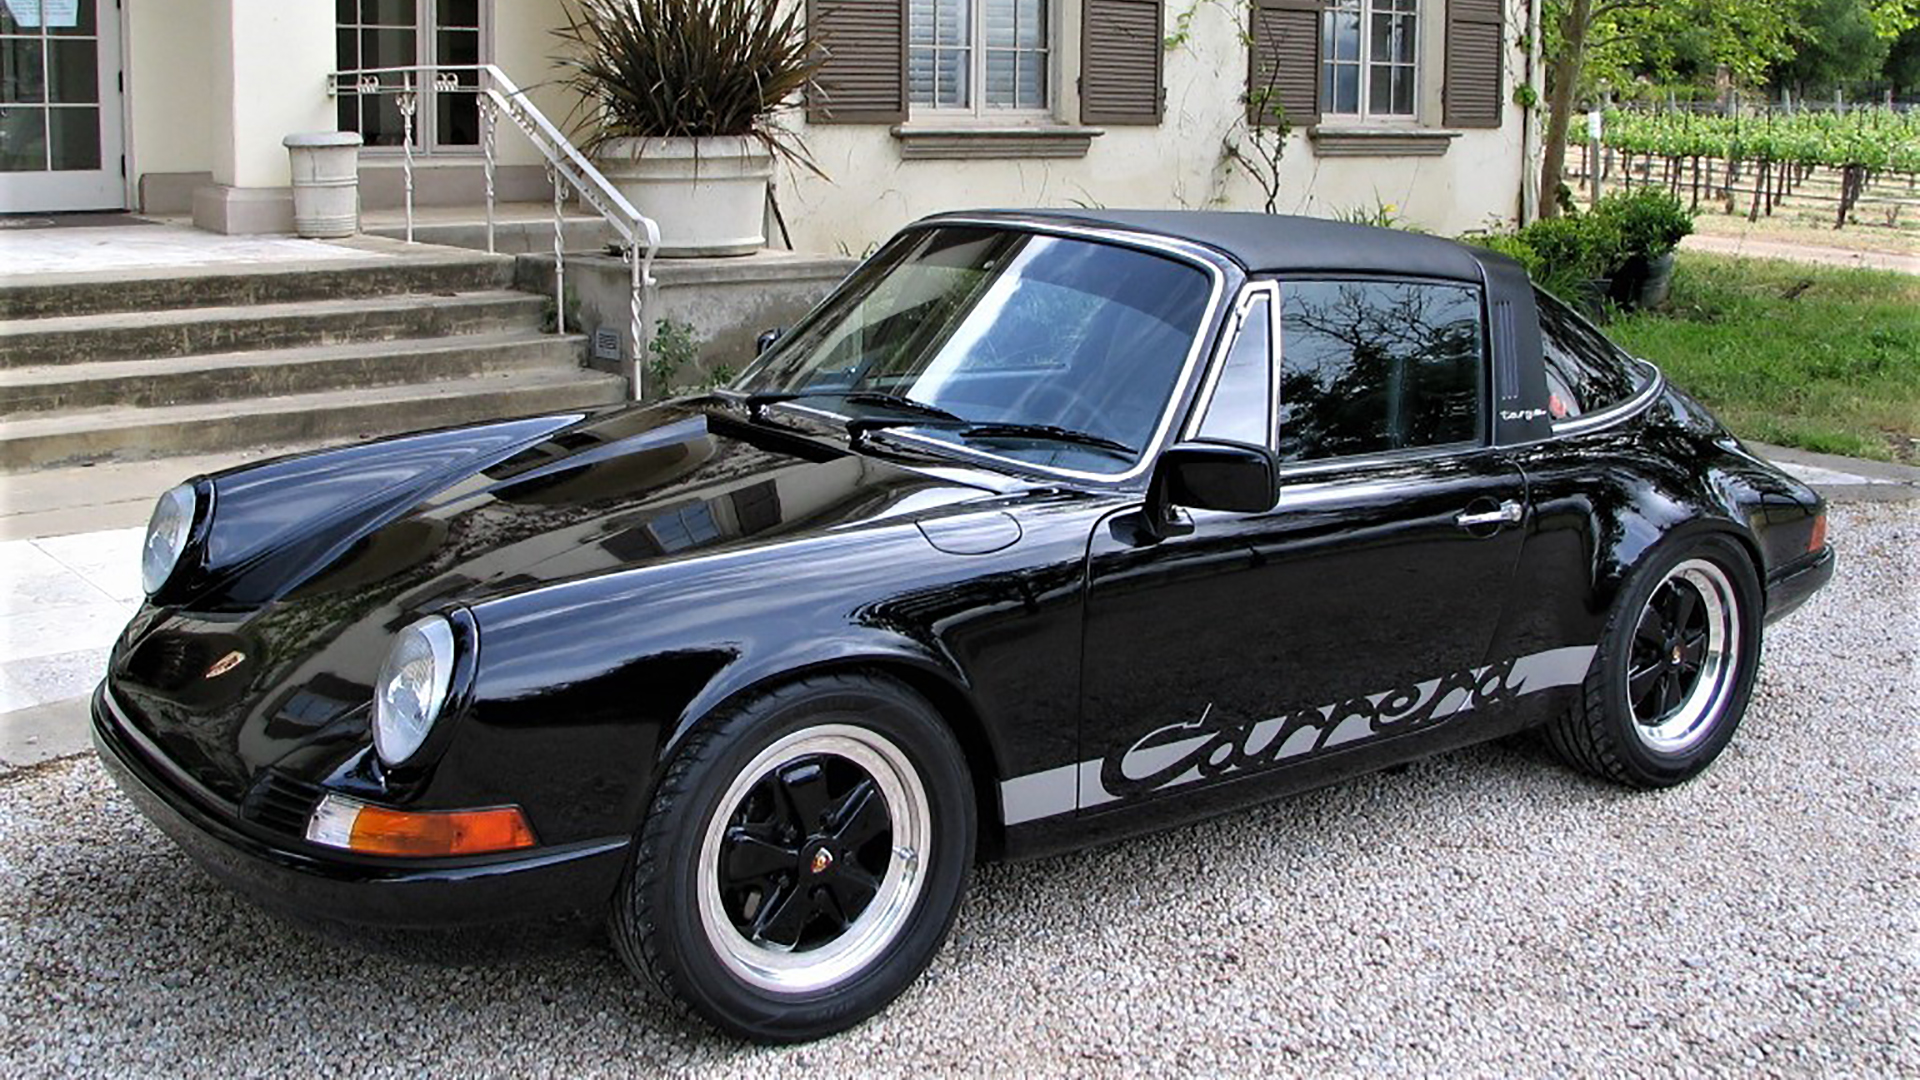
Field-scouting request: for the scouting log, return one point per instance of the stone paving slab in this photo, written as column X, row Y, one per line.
column 58, row 251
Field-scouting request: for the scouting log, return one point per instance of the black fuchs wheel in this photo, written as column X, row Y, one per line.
column 803, row 858
column 1675, row 667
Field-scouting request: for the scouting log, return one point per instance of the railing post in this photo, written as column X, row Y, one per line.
column 635, row 326
column 407, row 103
column 487, row 122
column 559, row 252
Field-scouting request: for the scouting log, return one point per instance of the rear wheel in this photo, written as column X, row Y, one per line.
column 1670, row 681
column 802, row 860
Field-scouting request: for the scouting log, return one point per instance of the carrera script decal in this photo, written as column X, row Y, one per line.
column 1210, row 747
column 1213, row 747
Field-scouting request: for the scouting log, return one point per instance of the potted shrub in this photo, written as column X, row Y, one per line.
column 682, row 101
column 1648, row 225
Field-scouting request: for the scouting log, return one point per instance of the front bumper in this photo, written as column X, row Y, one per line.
column 1796, row 582
column 562, row 887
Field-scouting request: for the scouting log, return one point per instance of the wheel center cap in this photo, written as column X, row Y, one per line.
column 822, row 859
column 1676, row 654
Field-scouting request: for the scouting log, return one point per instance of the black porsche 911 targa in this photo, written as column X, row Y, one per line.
column 1043, row 529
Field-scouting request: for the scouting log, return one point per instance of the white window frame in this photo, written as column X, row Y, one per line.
column 1420, row 66
column 426, row 122
column 977, row 71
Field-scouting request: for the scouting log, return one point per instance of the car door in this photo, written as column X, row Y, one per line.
column 1360, row 608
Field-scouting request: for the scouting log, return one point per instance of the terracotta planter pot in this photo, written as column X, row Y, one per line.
column 708, row 196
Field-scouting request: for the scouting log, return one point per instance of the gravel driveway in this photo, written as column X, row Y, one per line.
column 1483, row 913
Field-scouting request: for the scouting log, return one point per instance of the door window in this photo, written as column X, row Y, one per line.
column 1372, row 367
column 49, row 86
column 374, row 34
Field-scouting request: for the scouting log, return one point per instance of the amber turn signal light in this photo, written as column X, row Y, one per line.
column 1819, row 538
column 377, row 830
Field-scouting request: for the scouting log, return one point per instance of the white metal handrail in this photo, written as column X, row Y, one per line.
column 567, row 170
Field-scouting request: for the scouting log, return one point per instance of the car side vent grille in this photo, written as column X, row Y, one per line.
column 1505, row 350
column 279, row 802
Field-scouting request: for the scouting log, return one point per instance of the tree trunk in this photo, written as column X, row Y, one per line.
column 1564, row 72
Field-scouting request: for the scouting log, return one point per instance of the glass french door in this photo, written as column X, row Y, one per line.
column 61, row 137
column 374, row 34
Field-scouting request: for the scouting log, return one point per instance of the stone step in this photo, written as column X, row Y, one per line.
column 330, row 416
column 415, row 270
column 580, row 234
column 187, row 380
column 136, row 335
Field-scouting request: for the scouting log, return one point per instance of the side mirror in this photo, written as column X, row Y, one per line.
column 1213, row 476
column 766, row 339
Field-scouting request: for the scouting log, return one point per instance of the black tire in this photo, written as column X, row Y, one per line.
column 1611, row 733
column 658, row 925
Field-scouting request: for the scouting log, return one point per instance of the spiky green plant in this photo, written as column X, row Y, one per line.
column 686, row 68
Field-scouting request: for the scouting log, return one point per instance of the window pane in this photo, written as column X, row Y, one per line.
column 346, row 51
column 920, row 23
column 1346, row 35
column 1239, row 409
column 69, row 19
column 76, row 72
column 1372, row 367
column 388, row 12
column 952, row 24
column 950, row 78
column 380, row 121
column 1403, row 81
column 1000, row 77
column 1346, row 88
column 386, row 49
column 23, row 139
column 20, row 71
column 1382, row 37
column 1403, row 38
column 1380, row 87
column 1033, row 23
column 346, row 113
column 999, row 16
column 74, row 135
column 1593, row 370
column 1031, row 92
column 458, row 13
column 19, row 16
column 459, row 119
column 920, row 76
column 460, row 47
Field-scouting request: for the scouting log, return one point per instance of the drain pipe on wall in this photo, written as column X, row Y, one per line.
column 1530, row 121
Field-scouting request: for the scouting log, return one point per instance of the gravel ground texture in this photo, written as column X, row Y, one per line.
column 1483, row 913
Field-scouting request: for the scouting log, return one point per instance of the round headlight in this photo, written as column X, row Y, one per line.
column 412, row 688
column 167, row 533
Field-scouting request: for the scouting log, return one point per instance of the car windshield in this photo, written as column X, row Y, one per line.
column 1048, row 350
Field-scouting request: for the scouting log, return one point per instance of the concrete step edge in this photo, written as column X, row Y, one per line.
column 21, row 329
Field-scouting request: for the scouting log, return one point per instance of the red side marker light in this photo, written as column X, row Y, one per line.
column 1819, row 538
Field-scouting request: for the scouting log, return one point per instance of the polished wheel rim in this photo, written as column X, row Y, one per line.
column 1680, row 670
column 812, row 861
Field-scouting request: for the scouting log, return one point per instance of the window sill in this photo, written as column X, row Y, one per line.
column 975, row 141
column 1358, row 141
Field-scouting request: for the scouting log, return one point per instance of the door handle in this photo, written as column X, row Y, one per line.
column 1509, row 513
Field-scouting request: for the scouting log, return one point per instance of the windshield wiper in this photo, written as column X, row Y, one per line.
column 757, row 401
column 1051, row 432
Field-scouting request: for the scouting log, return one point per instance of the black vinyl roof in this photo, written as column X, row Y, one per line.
column 1282, row 243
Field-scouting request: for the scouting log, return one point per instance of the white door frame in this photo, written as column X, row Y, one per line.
column 104, row 188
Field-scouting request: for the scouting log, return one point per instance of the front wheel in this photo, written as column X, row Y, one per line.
column 1675, row 667
column 803, row 859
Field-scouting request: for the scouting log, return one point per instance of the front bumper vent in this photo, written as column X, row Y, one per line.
column 280, row 803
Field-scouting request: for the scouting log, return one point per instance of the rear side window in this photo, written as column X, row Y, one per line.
column 1370, row 367
column 1585, row 371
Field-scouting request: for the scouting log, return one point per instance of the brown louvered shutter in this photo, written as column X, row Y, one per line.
column 1120, row 50
column 1283, row 61
column 863, row 76
column 1476, row 50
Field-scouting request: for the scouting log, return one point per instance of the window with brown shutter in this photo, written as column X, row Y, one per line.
column 1120, row 55
column 1283, row 61
column 1475, row 53
column 863, row 77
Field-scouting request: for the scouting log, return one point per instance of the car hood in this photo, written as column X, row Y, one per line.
column 314, row 563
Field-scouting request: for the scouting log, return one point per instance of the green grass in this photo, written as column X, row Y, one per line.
column 1821, row 358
